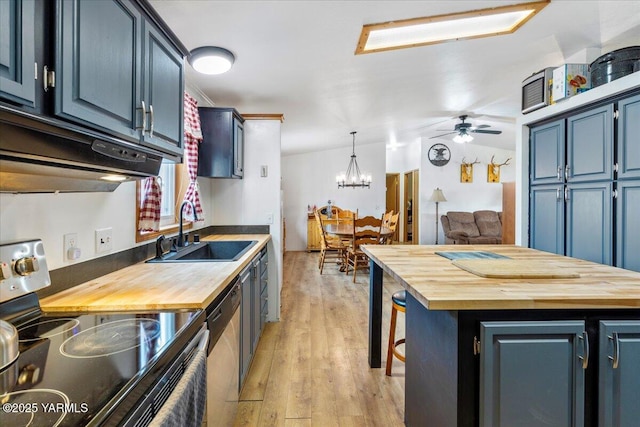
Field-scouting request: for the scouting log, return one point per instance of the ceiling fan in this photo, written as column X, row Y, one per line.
column 463, row 131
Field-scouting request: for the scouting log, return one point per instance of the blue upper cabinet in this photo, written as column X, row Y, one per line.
column 619, row 370
column 590, row 145
column 547, row 153
column 17, row 52
column 99, row 65
column 163, row 89
column 629, row 138
column 118, row 72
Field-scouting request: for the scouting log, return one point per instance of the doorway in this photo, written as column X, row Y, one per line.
column 392, row 194
column 411, row 204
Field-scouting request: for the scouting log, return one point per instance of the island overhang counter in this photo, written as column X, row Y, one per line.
column 471, row 339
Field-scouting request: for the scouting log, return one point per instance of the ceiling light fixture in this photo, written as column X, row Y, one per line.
column 353, row 177
column 211, row 60
column 441, row 28
column 462, row 137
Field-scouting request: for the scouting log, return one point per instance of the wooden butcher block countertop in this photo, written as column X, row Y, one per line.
column 439, row 284
column 156, row 286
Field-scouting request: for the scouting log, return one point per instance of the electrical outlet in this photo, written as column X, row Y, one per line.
column 269, row 218
column 71, row 251
column 104, row 237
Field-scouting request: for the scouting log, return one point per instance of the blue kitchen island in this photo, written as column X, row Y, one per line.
column 525, row 338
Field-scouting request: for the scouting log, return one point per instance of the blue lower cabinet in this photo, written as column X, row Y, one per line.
column 589, row 222
column 628, row 225
column 547, row 218
column 619, row 374
column 532, row 373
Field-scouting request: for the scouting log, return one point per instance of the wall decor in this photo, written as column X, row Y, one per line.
column 439, row 155
column 466, row 170
column 493, row 170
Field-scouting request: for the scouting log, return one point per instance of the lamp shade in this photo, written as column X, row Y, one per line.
column 211, row 59
column 437, row 196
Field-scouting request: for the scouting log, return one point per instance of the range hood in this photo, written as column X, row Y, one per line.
column 45, row 155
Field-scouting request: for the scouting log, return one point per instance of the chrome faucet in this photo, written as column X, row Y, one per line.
column 181, row 242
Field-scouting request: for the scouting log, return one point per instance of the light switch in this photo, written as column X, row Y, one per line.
column 264, row 171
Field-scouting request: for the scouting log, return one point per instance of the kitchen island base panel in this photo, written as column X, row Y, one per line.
column 375, row 315
column 441, row 370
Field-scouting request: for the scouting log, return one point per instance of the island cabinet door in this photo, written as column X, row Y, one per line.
column 532, row 373
column 619, row 373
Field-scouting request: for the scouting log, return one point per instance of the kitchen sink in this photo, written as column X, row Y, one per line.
column 214, row 251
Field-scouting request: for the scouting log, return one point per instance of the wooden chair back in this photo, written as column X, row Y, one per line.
column 366, row 231
column 327, row 241
column 393, row 226
column 386, row 218
column 323, row 241
column 345, row 215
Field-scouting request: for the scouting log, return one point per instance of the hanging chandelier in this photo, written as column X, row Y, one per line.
column 353, row 177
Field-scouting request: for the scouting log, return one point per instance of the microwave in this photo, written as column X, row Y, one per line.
column 536, row 90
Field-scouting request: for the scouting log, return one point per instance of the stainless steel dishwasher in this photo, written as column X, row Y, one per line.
column 223, row 358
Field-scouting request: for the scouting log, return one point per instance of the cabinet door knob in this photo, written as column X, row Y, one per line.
column 559, row 173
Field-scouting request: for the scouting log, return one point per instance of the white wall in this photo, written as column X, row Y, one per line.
column 50, row 216
column 310, row 179
column 256, row 200
column 400, row 160
column 476, row 195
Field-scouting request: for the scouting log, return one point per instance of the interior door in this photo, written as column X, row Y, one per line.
column 393, row 192
column 411, row 204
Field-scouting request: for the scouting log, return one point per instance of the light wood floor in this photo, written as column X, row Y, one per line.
column 311, row 367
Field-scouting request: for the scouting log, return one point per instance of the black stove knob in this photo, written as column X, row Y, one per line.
column 26, row 266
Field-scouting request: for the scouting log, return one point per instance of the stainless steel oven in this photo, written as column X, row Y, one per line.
column 77, row 369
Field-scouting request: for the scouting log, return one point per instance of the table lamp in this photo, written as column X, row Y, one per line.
column 437, row 196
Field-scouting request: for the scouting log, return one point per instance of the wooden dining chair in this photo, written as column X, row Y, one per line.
column 386, row 218
column 393, row 226
column 366, row 231
column 346, row 215
column 331, row 247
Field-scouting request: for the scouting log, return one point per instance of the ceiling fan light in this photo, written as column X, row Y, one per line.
column 211, row 60
column 461, row 138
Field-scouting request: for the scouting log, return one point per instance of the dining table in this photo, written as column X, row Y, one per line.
column 345, row 230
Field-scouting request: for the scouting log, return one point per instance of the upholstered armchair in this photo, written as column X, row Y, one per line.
column 467, row 228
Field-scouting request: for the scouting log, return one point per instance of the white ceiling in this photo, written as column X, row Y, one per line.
column 297, row 58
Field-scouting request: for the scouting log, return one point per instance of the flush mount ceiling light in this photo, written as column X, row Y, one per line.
column 441, row 28
column 211, row 60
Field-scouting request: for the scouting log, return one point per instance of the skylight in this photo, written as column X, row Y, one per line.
column 442, row 28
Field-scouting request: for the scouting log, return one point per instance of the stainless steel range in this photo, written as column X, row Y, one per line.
column 76, row 369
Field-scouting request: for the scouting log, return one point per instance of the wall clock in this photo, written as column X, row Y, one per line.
column 439, row 154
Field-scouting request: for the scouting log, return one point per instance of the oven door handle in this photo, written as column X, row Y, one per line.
column 203, row 338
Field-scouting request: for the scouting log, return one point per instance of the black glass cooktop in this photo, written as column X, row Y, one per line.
column 79, row 370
